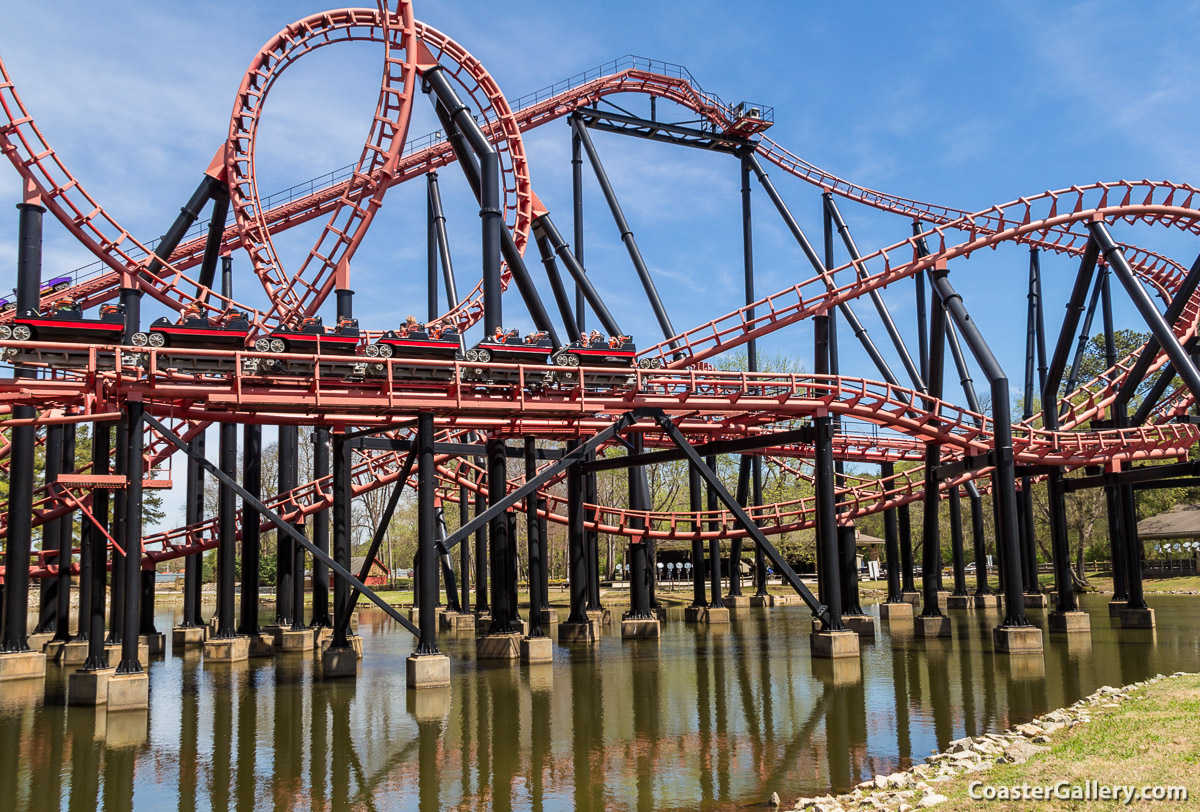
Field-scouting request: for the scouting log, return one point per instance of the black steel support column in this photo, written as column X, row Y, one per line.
column 1002, row 479
column 714, row 542
column 577, row 222
column 977, row 538
column 66, row 544
column 193, row 566
column 252, row 482
column 826, row 498
column 426, row 551
column 956, row 543
column 481, row 547
column 536, row 544
column 735, row 544
column 592, row 543
column 96, row 549
column 503, row 586
column 289, row 476
column 320, row 534
column 443, row 242
column 51, row 535
column 891, row 539
column 561, row 299
column 543, row 510
column 907, row 579
column 575, row 542
column 639, row 563
column 1133, row 548
column 931, row 540
column 132, row 538
column 464, row 552
column 696, row 505
column 341, row 538
column 227, row 535
column 431, row 249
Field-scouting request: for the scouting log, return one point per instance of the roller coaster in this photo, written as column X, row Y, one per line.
column 421, row 406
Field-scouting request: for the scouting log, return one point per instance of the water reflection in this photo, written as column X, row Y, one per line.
column 704, row 718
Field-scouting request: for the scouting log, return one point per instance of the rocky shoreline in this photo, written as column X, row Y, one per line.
column 917, row 787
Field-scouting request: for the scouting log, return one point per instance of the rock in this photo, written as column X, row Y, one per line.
column 906, row 808
column 774, row 799
column 1040, row 739
column 881, row 782
column 1020, row 751
column 1029, row 731
column 932, row 800
column 897, row 780
column 1051, row 727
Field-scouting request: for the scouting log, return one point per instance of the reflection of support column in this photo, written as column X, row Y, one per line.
column 704, row 721
column 647, row 700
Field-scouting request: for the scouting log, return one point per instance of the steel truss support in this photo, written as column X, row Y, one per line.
column 1003, row 478
column 448, row 580
column 439, row 249
column 341, row 476
column 252, row 482
column 635, row 255
column 501, row 545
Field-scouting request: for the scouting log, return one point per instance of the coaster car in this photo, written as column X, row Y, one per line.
column 197, row 332
column 509, row 348
column 597, row 352
column 419, row 342
column 312, row 338
column 64, row 322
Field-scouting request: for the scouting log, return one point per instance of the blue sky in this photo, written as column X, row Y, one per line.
column 962, row 104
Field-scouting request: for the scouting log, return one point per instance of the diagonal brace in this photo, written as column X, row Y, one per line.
column 548, row 473
column 279, row 523
column 671, row 430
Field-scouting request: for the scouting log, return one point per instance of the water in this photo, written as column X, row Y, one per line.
column 708, row 719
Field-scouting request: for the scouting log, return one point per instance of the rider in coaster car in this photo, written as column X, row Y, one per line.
column 596, row 338
column 499, row 335
column 192, row 311
column 435, row 329
column 410, row 323
column 583, row 339
column 230, row 315
column 63, row 304
column 535, row 337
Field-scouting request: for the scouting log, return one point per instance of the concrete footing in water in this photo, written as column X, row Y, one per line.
column 1137, row 618
column 862, row 625
column 713, row 616
column 22, row 665
column 537, row 650
column 498, row 646
column 128, row 691
column 959, row 603
column 640, row 628
column 736, row 601
column 576, row 632
column 425, row 670
column 1035, row 600
column 902, row 610
column 762, row 601
column 182, row 637
column 832, row 645
column 911, row 597
column 227, row 650
column 89, row 688
column 1068, row 622
column 986, row 601
column 296, row 641
column 72, row 653
column 340, row 662
column 1115, row 607
column 1017, row 639
column 932, row 626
